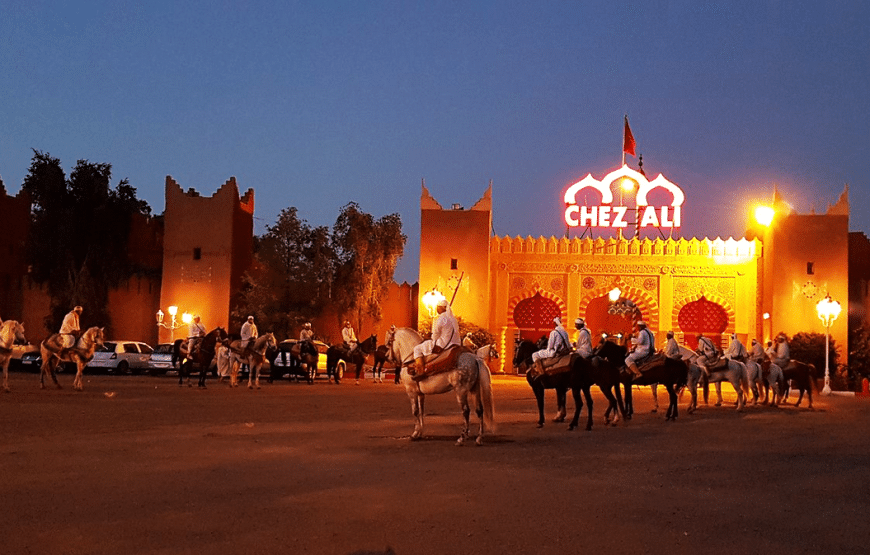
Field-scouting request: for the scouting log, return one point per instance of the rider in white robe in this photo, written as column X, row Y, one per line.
column 348, row 335
column 707, row 353
column 445, row 334
column 249, row 333
column 672, row 349
column 783, row 355
column 69, row 328
column 583, row 345
column 195, row 334
column 644, row 348
column 736, row 350
column 757, row 352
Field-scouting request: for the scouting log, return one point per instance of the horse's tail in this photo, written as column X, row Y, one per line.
column 485, row 384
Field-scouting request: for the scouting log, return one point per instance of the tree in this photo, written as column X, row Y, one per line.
column 810, row 348
column 292, row 274
column 78, row 235
column 366, row 251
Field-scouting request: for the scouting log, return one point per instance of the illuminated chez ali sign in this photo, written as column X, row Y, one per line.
column 607, row 215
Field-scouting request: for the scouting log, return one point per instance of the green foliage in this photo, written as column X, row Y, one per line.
column 78, row 235
column 810, row 348
column 366, row 253
column 859, row 352
column 292, row 277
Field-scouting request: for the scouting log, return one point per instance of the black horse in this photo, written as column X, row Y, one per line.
column 673, row 374
column 380, row 356
column 583, row 374
column 337, row 353
column 203, row 356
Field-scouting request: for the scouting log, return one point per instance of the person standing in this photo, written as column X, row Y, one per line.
column 445, row 334
column 195, row 335
column 557, row 344
column 643, row 349
column 348, row 336
column 249, row 333
column 583, row 345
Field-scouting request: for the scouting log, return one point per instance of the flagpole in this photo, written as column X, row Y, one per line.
column 623, row 139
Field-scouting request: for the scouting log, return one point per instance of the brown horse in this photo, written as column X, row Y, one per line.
column 66, row 347
column 802, row 377
column 202, row 356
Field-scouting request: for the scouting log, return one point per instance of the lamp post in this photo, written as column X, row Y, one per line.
column 431, row 300
column 173, row 324
column 828, row 311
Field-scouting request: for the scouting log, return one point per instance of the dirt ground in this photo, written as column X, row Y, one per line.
column 139, row 465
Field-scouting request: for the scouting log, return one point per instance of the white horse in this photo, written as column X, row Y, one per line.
column 734, row 373
column 10, row 332
column 470, row 378
column 60, row 347
column 253, row 355
column 487, row 352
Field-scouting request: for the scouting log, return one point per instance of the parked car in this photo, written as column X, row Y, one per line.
column 283, row 358
column 31, row 361
column 18, row 351
column 122, row 357
column 161, row 359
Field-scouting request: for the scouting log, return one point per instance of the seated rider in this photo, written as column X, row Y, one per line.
column 707, row 353
column 757, row 355
column 348, row 336
column 445, row 334
column 644, row 349
column 557, row 345
column 736, row 350
column 468, row 342
column 672, row 349
column 782, row 354
column 583, row 345
column 195, row 335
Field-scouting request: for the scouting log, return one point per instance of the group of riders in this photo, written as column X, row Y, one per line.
column 642, row 350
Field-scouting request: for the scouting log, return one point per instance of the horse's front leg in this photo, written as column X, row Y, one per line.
column 77, row 383
column 561, row 404
column 6, row 376
column 655, row 393
column 479, row 411
column 538, row 390
column 417, row 403
column 462, row 398
column 673, row 410
column 719, row 394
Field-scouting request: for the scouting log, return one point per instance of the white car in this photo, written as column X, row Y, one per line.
column 161, row 359
column 122, row 357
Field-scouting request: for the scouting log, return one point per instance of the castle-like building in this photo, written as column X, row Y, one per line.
column 197, row 253
column 755, row 287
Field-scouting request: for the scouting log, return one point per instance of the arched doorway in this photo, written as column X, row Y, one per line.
column 702, row 316
column 534, row 316
column 600, row 319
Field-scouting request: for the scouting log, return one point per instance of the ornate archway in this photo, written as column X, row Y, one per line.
column 703, row 315
column 646, row 303
column 533, row 314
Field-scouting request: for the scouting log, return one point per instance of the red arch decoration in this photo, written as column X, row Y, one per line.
column 512, row 305
column 646, row 304
column 727, row 313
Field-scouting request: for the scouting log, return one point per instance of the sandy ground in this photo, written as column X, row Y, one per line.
column 139, row 465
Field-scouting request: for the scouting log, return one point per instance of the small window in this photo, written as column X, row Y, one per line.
column 197, row 253
column 810, row 268
column 454, row 264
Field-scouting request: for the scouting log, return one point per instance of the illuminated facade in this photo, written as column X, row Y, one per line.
column 755, row 287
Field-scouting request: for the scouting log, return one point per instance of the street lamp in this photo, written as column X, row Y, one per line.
column 828, row 311
column 619, row 306
column 431, row 300
column 173, row 324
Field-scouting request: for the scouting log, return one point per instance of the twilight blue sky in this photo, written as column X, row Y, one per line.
column 314, row 104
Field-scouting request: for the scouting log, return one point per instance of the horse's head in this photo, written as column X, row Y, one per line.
column 524, row 353
column 95, row 336
column 270, row 340
column 18, row 331
column 609, row 350
column 369, row 345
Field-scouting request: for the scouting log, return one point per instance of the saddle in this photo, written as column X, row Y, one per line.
column 654, row 361
column 558, row 364
column 445, row 360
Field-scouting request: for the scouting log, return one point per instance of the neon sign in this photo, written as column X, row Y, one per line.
column 607, row 215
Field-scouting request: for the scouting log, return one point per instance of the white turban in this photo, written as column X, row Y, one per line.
column 557, row 321
column 443, row 302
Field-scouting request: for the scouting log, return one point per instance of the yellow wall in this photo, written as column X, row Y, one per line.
column 461, row 235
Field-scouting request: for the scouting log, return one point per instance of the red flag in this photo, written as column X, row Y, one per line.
column 628, row 143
